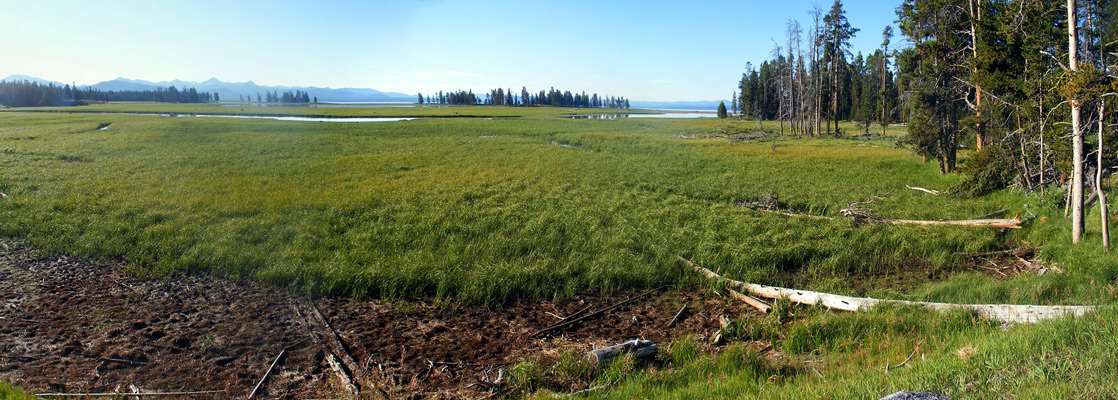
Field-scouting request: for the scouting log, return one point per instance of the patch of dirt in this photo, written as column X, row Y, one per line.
column 75, row 326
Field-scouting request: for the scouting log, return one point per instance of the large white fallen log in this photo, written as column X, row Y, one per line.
column 1000, row 312
column 997, row 223
column 861, row 216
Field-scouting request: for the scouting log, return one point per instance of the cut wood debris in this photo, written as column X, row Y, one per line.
column 1000, row 312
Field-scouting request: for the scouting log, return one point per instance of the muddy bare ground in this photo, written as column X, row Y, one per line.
column 76, row 326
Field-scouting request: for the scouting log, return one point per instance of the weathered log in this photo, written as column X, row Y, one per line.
column 1000, row 312
column 1014, row 223
column 640, row 348
column 857, row 215
column 323, row 334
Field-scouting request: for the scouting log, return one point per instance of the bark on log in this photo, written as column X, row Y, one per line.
column 1000, row 312
column 640, row 348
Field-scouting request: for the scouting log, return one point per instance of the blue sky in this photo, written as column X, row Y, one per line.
column 644, row 50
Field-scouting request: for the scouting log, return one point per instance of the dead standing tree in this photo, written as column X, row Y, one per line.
column 1077, row 134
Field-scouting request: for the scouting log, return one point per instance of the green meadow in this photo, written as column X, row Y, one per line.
column 493, row 211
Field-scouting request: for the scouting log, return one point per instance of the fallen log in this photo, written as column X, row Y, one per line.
column 324, row 335
column 1014, row 223
column 1000, row 312
column 858, row 215
column 640, row 348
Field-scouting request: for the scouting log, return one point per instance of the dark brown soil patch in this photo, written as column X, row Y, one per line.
column 73, row 326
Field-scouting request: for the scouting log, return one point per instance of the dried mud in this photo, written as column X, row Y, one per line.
column 75, row 326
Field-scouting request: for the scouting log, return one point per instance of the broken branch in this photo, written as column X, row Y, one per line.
column 928, row 191
column 677, row 314
column 752, row 301
column 266, row 373
column 565, row 324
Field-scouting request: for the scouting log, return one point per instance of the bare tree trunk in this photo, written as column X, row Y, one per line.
column 817, row 73
column 1076, row 134
column 1040, row 121
column 980, row 133
column 834, row 92
column 884, row 77
column 1098, row 182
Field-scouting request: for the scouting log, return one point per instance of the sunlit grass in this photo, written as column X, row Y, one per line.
column 485, row 210
column 494, row 211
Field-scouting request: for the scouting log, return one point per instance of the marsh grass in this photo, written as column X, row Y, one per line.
column 12, row 392
column 433, row 208
column 491, row 211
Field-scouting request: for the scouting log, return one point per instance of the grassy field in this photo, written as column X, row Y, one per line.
column 493, row 211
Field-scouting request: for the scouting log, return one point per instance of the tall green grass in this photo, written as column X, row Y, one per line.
column 494, row 211
column 491, row 210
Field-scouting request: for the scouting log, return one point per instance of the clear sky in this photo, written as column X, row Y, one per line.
column 644, row 50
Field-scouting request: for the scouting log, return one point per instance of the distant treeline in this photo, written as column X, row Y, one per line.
column 32, row 94
column 287, row 97
column 503, row 97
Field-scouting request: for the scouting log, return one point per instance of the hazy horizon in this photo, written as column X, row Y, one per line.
column 646, row 51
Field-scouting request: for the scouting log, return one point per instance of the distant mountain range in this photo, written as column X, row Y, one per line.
column 232, row 91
